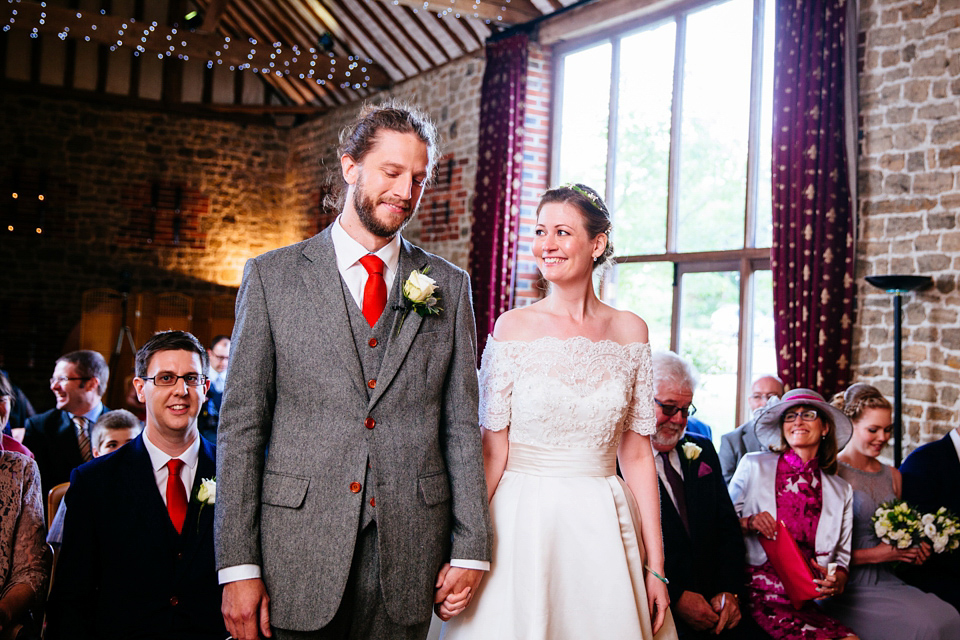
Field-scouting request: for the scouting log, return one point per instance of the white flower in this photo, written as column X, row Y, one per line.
column 927, row 519
column 419, row 287
column 930, row 530
column 881, row 529
column 691, row 450
column 905, row 542
column 207, row 493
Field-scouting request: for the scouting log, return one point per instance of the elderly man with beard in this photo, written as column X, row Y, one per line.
column 351, row 491
column 702, row 542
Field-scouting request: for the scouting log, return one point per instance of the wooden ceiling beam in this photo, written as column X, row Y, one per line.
column 508, row 14
column 412, row 37
column 414, row 16
column 109, row 30
column 213, row 14
column 372, row 9
column 453, row 36
column 362, row 29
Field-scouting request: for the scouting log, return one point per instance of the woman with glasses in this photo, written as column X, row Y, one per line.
column 876, row 603
column 566, row 390
column 796, row 484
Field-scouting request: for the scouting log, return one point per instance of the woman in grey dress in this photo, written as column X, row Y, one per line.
column 876, row 604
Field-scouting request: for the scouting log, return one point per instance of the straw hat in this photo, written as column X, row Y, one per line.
column 767, row 424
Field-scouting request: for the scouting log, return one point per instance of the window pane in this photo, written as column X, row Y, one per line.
column 643, row 141
column 764, row 227
column 714, row 128
column 585, row 113
column 709, row 334
column 646, row 288
column 764, row 347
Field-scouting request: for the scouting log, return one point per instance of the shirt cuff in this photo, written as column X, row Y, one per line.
column 239, row 572
column 482, row 565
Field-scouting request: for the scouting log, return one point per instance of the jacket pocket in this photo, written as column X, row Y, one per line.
column 282, row 490
column 434, row 488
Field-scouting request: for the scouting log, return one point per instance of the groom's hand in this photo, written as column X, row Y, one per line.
column 245, row 604
column 455, row 588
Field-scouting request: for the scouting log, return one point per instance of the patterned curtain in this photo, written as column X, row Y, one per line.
column 813, row 218
column 496, row 206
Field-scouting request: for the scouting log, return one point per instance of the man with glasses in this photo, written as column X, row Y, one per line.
column 60, row 438
column 219, row 354
column 743, row 439
column 702, row 544
column 137, row 554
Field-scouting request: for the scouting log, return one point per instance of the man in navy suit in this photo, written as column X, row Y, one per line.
column 137, row 554
column 703, row 547
column 931, row 479
column 60, row 438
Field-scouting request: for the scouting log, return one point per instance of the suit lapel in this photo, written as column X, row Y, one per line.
column 322, row 278
column 398, row 344
column 145, row 483
column 198, row 521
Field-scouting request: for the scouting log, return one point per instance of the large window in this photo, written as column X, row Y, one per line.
column 670, row 119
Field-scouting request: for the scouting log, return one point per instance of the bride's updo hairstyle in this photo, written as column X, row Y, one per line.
column 858, row 398
column 596, row 218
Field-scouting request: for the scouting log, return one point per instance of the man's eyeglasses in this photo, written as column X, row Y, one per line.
column 169, row 379
column 807, row 416
column 64, row 379
column 671, row 410
column 762, row 396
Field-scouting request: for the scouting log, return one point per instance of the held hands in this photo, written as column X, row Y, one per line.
column 720, row 613
column 657, row 600
column 762, row 523
column 246, row 606
column 455, row 588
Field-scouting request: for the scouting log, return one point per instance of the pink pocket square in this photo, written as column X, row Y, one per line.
column 705, row 470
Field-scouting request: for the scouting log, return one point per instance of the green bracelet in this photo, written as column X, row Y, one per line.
column 656, row 575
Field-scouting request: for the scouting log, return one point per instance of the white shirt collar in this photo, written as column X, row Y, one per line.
column 955, row 436
column 349, row 251
column 159, row 459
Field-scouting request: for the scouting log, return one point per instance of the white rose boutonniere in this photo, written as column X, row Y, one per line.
column 691, row 450
column 420, row 294
column 206, row 495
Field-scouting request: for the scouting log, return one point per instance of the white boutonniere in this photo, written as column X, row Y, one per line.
column 691, row 450
column 206, row 495
column 420, row 293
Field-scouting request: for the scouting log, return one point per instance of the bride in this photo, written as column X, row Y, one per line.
column 565, row 392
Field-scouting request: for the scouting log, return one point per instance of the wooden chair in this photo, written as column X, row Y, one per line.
column 54, row 497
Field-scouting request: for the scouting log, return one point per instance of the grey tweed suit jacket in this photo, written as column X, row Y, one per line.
column 294, row 435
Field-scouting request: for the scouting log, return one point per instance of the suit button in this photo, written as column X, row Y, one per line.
column 355, row 487
column 373, row 342
column 369, row 423
column 373, row 502
column 174, row 601
column 372, row 383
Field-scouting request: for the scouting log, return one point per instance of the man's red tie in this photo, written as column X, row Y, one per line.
column 176, row 494
column 375, row 291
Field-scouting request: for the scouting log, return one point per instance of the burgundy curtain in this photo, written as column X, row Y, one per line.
column 813, row 219
column 496, row 206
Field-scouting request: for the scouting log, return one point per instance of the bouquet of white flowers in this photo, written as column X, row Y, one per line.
column 898, row 524
column 942, row 528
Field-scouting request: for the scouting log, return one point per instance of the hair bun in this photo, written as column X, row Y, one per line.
column 855, row 390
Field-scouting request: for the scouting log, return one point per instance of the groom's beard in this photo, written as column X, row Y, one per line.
column 366, row 210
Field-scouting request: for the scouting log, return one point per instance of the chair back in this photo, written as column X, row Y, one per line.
column 54, row 497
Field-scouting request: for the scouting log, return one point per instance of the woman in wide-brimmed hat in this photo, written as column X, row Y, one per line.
column 795, row 483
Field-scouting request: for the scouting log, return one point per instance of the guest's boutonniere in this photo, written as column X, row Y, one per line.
column 420, row 294
column 691, row 450
column 206, row 495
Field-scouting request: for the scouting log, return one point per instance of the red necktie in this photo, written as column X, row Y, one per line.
column 176, row 494
column 375, row 291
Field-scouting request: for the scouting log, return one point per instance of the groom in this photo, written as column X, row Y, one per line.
column 351, row 490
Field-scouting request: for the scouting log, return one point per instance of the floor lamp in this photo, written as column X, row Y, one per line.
column 898, row 285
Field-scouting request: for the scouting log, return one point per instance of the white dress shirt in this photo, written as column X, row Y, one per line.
column 217, row 379
column 159, row 460
column 955, row 436
column 675, row 463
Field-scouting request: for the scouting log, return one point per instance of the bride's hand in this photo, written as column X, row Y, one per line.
column 657, row 599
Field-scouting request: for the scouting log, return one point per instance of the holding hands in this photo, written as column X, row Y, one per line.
column 455, row 589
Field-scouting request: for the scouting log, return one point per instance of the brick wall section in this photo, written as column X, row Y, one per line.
column 909, row 199
column 536, row 170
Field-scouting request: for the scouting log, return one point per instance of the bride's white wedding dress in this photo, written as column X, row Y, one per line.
column 568, row 557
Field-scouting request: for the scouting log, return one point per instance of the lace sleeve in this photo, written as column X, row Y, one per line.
column 27, row 561
column 496, row 386
column 640, row 415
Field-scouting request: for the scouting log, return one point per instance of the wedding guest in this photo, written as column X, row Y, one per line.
column 113, row 430
column 219, row 355
column 877, row 604
column 60, row 438
column 137, row 556
column 931, row 479
column 22, row 409
column 8, row 402
column 702, row 543
column 566, row 389
column 743, row 439
column 797, row 481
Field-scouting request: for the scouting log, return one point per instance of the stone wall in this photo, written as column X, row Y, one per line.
column 909, row 199
column 112, row 178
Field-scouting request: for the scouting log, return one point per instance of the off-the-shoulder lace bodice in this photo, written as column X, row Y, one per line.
column 567, row 392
